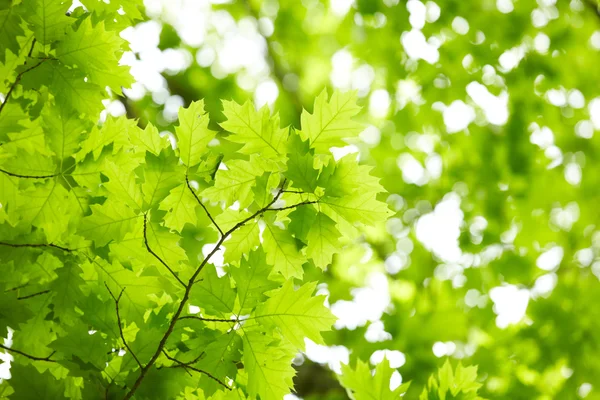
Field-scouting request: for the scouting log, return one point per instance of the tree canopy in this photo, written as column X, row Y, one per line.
column 316, row 199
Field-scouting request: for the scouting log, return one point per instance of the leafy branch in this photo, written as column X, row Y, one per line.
column 202, row 205
column 188, row 365
column 27, row 176
column 10, row 350
column 188, row 289
column 16, row 245
column 20, row 75
column 117, row 299
column 157, row 256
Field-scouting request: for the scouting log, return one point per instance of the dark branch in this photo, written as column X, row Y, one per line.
column 36, row 245
column 33, row 295
column 19, row 76
column 188, row 289
column 156, row 255
column 202, row 205
column 27, row 176
column 188, row 366
column 47, row 359
column 209, row 319
column 292, row 206
column 116, row 299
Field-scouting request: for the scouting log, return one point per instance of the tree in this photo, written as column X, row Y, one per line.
column 194, row 246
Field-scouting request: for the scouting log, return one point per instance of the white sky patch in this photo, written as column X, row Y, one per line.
column 408, row 91
column 441, row 349
column 341, row 69
column 594, row 110
column 417, row 11
column 440, row 229
column 412, row 170
column 510, row 304
column 333, row 356
column 460, row 25
column 396, row 358
column 6, row 357
column 544, row 285
column 341, row 7
column 511, row 58
column 368, row 303
column 266, row 93
column 550, row 259
column 379, row 103
column 417, row 47
column 376, row 333
column 495, row 108
column 457, row 116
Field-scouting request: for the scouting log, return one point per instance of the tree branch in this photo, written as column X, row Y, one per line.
column 36, row 245
column 47, row 359
column 156, row 255
column 187, row 365
column 19, row 76
column 292, row 206
column 202, row 205
column 116, row 299
column 26, row 176
column 209, row 319
column 187, row 292
column 33, row 295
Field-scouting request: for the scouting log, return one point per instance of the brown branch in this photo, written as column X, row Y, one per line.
column 188, row 366
column 36, row 245
column 26, row 176
column 202, row 205
column 292, row 206
column 47, row 359
column 19, row 76
column 209, row 319
column 156, row 255
column 116, row 299
column 187, row 292
column 33, row 295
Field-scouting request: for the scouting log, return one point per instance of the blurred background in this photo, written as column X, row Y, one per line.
column 481, row 117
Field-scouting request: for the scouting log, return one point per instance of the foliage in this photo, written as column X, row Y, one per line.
column 484, row 135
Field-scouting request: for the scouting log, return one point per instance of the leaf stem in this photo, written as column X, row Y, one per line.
column 202, row 205
column 156, row 255
column 188, row 290
column 10, row 350
column 36, row 245
column 26, row 176
column 116, row 299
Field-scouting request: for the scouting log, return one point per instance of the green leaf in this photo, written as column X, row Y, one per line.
column 252, row 281
column 362, row 207
column 322, row 239
column 148, row 140
column 161, row 175
column 110, row 221
column 296, row 313
column 213, row 294
column 282, row 253
column 94, row 50
column 10, row 29
column 300, row 166
column 241, row 242
column 180, row 206
column 361, row 385
column 122, row 183
column 258, row 131
column 63, row 130
column 47, row 19
column 192, row 133
column 331, row 121
column 268, row 363
column 235, row 183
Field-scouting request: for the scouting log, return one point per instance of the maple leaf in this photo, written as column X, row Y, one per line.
column 331, row 121
column 362, row 385
column 296, row 313
column 192, row 133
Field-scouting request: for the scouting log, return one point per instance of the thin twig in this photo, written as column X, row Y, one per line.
column 36, row 245
column 209, row 319
column 19, row 76
column 33, row 295
column 116, row 299
column 187, row 365
column 27, row 176
column 292, row 206
column 203, row 206
column 188, row 290
column 156, row 255
column 10, row 350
